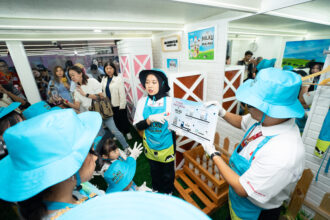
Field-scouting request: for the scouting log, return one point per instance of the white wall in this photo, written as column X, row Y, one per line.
column 319, row 109
column 159, row 57
column 268, row 47
column 214, row 69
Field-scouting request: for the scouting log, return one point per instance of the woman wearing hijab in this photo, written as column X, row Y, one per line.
column 150, row 117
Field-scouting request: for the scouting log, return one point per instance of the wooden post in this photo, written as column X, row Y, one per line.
column 325, row 206
column 217, row 138
column 299, row 193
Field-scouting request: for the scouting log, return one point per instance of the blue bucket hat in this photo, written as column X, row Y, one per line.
column 6, row 110
column 38, row 109
column 287, row 67
column 274, row 92
column 266, row 64
column 120, row 174
column 44, row 151
column 158, row 72
column 141, row 205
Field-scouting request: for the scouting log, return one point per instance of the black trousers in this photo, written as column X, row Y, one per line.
column 162, row 176
column 268, row 214
column 121, row 120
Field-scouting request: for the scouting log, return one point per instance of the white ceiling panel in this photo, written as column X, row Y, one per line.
column 157, row 11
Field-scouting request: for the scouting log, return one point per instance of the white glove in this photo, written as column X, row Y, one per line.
column 209, row 149
column 136, row 151
column 221, row 112
column 161, row 118
column 144, row 188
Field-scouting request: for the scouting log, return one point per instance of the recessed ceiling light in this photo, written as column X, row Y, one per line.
column 97, row 31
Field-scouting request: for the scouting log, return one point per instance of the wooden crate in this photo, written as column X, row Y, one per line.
column 211, row 189
column 215, row 188
column 207, row 206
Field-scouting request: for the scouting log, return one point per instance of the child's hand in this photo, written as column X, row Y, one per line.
column 136, row 151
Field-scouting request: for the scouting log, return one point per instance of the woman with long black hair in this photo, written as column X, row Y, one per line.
column 113, row 88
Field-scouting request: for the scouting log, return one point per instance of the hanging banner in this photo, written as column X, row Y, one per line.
column 171, row 43
column 201, row 44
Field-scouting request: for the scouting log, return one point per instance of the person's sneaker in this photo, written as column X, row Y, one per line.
column 129, row 136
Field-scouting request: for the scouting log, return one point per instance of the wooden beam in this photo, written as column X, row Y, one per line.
column 299, row 193
column 322, row 212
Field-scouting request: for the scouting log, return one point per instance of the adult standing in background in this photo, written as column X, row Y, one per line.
column 113, row 88
column 86, row 90
column 228, row 60
column 59, row 86
column 314, row 68
column 95, row 72
column 99, row 65
column 249, row 64
column 68, row 64
column 7, row 97
column 7, row 77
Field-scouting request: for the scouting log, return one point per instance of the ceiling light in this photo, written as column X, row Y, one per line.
column 75, row 52
column 97, row 31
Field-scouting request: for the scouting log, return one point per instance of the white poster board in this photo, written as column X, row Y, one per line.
column 171, row 43
column 194, row 120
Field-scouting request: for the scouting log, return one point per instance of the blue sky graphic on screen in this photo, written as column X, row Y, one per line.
column 298, row 53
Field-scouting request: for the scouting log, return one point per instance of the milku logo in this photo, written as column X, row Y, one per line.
column 117, row 176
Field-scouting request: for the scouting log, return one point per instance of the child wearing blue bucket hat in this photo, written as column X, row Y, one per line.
column 116, row 163
column 110, row 152
column 47, row 161
column 119, row 176
column 268, row 162
column 9, row 116
column 38, row 109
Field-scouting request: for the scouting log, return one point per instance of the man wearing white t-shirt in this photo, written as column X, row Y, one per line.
column 268, row 162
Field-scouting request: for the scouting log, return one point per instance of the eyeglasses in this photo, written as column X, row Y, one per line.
column 91, row 151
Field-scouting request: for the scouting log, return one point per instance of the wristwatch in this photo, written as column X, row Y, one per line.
column 214, row 154
column 87, row 95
